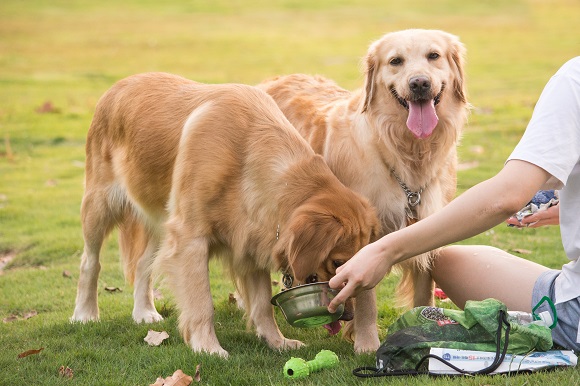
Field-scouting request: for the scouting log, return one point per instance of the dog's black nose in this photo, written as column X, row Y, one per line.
column 420, row 86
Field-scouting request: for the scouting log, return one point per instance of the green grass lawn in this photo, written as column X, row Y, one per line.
column 58, row 57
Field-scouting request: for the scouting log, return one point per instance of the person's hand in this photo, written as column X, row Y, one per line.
column 550, row 216
column 362, row 272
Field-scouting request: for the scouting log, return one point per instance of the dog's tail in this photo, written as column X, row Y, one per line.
column 133, row 239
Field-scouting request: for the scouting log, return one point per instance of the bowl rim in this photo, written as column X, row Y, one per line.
column 279, row 294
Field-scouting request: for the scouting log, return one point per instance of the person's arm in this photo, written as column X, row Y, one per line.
column 477, row 210
column 550, row 216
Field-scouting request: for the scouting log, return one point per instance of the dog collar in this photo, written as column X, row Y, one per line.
column 413, row 198
column 287, row 280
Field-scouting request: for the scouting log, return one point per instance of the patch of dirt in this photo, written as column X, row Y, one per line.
column 6, row 258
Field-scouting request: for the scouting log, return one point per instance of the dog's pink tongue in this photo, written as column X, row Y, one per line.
column 333, row 328
column 422, row 118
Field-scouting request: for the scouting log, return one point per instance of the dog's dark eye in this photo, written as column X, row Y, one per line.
column 396, row 62
column 312, row 278
column 337, row 263
column 433, row 56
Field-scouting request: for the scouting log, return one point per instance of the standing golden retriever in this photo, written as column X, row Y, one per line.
column 190, row 171
column 394, row 140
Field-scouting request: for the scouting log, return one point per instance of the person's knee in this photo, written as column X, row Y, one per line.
column 455, row 258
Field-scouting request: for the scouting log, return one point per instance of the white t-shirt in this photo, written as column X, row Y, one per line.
column 552, row 142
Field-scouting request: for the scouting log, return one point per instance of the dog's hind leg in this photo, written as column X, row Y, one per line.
column 138, row 245
column 256, row 290
column 144, row 304
column 423, row 284
column 97, row 222
column 424, row 289
column 416, row 286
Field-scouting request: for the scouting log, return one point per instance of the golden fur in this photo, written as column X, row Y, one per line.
column 193, row 171
column 364, row 138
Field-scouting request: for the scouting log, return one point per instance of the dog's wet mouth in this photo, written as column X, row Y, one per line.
column 422, row 118
column 333, row 328
column 405, row 103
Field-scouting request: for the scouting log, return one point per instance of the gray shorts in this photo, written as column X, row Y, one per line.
column 565, row 334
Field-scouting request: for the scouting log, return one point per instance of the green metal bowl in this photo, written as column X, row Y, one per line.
column 305, row 305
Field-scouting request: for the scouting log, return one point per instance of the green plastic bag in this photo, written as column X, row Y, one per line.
column 481, row 326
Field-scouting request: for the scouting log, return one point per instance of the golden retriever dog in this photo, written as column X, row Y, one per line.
column 394, row 140
column 190, row 171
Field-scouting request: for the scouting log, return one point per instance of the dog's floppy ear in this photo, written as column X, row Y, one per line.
column 457, row 60
column 370, row 73
column 307, row 242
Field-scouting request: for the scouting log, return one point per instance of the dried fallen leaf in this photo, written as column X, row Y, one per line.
column 6, row 258
column 197, row 376
column 29, row 352
column 113, row 289
column 235, row 298
column 467, row 165
column 477, row 149
column 65, row 372
column 159, row 382
column 29, row 314
column 179, row 378
column 47, row 107
column 14, row 317
column 9, row 154
column 155, row 338
column 78, row 164
column 66, row 274
column 522, row 251
column 11, row 318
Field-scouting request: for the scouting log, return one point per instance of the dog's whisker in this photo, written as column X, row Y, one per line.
column 401, row 101
column 437, row 98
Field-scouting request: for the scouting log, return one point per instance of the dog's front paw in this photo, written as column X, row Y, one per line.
column 84, row 316
column 213, row 350
column 367, row 345
column 146, row 316
column 221, row 352
column 290, row 344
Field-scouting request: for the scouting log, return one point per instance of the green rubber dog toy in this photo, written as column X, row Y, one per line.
column 299, row 368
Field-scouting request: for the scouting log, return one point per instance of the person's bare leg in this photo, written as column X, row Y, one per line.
column 477, row 272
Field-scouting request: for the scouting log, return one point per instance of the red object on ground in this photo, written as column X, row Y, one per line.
column 440, row 294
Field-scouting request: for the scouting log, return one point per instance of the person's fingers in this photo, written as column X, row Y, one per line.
column 531, row 218
column 514, row 222
column 536, row 220
column 529, row 222
column 340, row 298
column 337, row 281
column 511, row 220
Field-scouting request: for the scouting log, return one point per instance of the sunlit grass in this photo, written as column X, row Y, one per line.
column 67, row 53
